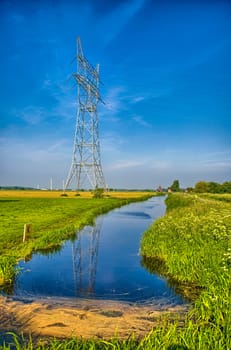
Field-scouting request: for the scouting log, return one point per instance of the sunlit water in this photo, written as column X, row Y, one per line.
column 103, row 262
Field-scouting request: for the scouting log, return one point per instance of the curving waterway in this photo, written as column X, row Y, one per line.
column 103, row 262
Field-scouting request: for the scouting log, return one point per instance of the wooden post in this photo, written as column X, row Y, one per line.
column 27, row 230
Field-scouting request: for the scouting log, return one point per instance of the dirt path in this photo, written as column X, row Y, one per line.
column 86, row 318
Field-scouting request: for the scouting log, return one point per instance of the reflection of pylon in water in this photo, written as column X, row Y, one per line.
column 85, row 257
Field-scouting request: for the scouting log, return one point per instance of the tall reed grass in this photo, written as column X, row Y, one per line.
column 194, row 242
column 8, row 273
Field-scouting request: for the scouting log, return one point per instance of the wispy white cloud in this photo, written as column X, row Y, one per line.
column 32, row 115
column 153, row 93
column 47, row 83
column 114, row 99
column 140, row 120
column 119, row 99
column 64, row 104
column 112, row 142
column 161, row 164
column 127, row 164
column 137, row 99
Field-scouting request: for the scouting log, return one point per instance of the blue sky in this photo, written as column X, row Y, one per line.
column 166, row 72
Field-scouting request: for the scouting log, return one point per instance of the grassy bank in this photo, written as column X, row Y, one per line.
column 191, row 245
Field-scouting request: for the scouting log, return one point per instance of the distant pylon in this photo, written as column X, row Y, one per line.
column 86, row 160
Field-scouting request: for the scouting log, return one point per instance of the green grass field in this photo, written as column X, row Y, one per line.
column 52, row 219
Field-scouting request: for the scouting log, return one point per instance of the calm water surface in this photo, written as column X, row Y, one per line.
column 103, row 262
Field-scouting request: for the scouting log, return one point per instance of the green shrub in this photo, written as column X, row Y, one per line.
column 8, row 269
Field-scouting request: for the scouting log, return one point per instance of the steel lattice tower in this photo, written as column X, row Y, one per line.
column 86, row 160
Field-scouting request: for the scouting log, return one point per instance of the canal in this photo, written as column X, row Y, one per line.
column 103, row 262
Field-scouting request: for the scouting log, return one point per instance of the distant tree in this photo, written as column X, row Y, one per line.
column 201, row 187
column 214, row 187
column 175, row 187
column 226, row 187
column 98, row 192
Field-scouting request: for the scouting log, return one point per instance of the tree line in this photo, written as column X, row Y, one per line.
column 203, row 187
column 212, row 187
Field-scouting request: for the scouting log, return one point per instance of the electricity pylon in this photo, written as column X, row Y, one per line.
column 86, row 160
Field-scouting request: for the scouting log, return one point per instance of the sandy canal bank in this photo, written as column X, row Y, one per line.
column 62, row 318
